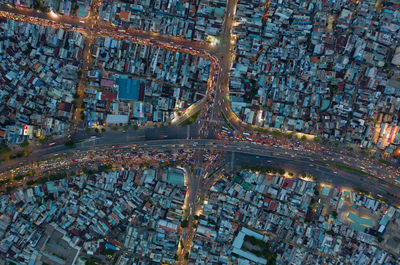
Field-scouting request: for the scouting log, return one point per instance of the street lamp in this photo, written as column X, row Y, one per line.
column 212, row 40
column 53, row 14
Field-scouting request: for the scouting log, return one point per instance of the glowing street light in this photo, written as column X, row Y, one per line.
column 53, row 14
column 212, row 40
column 397, row 151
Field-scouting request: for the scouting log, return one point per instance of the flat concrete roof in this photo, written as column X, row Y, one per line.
column 360, row 220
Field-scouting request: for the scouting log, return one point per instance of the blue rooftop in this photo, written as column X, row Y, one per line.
column 82, row 11
column 128, row 88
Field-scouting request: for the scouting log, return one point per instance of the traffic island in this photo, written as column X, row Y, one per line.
column 191, row 120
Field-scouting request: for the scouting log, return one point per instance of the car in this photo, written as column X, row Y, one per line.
column 53, row 143
column 115, row 146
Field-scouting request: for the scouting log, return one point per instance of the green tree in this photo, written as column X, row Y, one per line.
column 276, row 133
column 24, row 144
column 334, row 214
column 70, row 143
column 75, row 9
column 30, row 182
column 4, row 149
column 18, row 177
column 10, row 188
column 184, row 223
column 106, row 252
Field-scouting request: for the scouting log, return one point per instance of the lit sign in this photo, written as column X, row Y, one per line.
column 26, row 127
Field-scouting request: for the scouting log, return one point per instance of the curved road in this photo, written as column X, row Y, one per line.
column 245, row 154
column 215, row 104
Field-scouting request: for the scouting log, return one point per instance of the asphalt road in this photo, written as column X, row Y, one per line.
column 223, row 52
column 95, row 27
column 84, row 140
column 217, row 102
column 245, row 154
column 100, row 27
column 324, row 173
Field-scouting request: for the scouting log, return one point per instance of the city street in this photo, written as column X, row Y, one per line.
column 245, row 154
column 214, row 108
